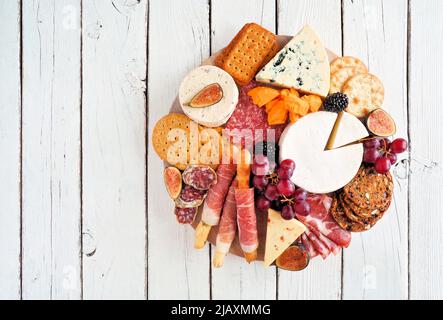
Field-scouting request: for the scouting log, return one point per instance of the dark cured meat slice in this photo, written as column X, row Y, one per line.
column 190, row 197
column 185, row 215
column 200, row 177
column 248, row 116
column 331, row 245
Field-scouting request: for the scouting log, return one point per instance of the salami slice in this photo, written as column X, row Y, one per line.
column 199, row 177
column 185, row 215
column 190, row 197
column 249, row 123
column 308, row 245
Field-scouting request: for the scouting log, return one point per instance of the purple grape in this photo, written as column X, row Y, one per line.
column 300, row 194
column 302, row 208
column 371, row 155
column 284, row 173
column 287, row 213
column 370, row 144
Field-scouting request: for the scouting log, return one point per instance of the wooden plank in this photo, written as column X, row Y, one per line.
column 246, row 281
column 426, row 135
column 176, row 46
column 322, row 279
column 376, row 263
column 114, row 149
column 51, row 150
column 10, row 149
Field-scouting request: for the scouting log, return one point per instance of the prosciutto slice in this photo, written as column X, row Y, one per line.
column 331, row 245
column 321, row 220
column 246, row 219
column 308, row 245
column 319, row 246
column 228, row 222
column 213, row 204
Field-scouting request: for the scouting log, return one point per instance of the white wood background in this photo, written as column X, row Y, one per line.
column 83, row 210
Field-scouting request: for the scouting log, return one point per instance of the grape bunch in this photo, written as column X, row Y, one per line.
column 382, row 153
column 276, row 190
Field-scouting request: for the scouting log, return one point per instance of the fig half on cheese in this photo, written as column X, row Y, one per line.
column 208, row 96
column 173, row 181
column 294, row 258
column 380, row 123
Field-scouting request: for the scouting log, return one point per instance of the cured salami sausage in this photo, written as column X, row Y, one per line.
column 190, row 198
column 321, row 220
column 217, row 194
column 185, row 215
column 200, row 177
column 227, row 228
column 249, row 116
column 246, row 219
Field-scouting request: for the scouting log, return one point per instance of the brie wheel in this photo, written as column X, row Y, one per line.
column 317, row 170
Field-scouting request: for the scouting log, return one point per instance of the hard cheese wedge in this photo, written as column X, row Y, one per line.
column 280, row 235
column 302, row 64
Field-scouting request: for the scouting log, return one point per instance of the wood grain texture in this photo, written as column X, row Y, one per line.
column 176, row 45
column 246, row 281
column 375, row 265
column 114, row 150
column 426, row 136
column 10, row 89
column 322, row 279
column 51, row 150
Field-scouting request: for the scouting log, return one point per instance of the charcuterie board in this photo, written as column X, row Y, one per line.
column 277, row 149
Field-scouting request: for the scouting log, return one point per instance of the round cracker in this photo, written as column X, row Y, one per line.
column 342, row 62
column 338, row 213
column 339, row 78
column 172, row 121
column 365, row 93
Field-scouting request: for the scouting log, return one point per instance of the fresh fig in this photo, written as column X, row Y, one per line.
column 294, row 258
column 208, row 96
column 380, row 123
column 173, row 181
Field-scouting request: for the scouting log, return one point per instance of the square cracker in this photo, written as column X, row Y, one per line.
column 247, row 52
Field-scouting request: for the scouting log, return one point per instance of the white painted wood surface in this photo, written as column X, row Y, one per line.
column 10, row 114
column 83, row 209
column 51, row 151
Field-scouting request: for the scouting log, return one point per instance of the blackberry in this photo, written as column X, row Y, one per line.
column 336, row 102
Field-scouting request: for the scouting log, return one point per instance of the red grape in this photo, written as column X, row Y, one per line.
column 393, row 158
column 287, row 213
column 288, row 163
column 371, row 155
column 300, row 194
column 373, row 143
column 284, row 172
column 399, row 146
column 302, row 208
column 382, row 165
column 263, row 204
column 271, row 192
column 260, row 182
column 285, row 187
column 260, row 170
column 261, row 159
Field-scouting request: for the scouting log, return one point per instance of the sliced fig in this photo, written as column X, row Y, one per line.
column 380, row 123
column 173, row 181
column 200, row 177
column 208, row 96
column 294, row 258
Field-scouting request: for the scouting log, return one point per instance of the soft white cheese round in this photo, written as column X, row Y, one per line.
column 320, row 171
column 195, row 81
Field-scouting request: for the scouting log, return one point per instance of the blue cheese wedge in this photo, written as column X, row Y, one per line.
column 302, row 64
column 218, row 113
